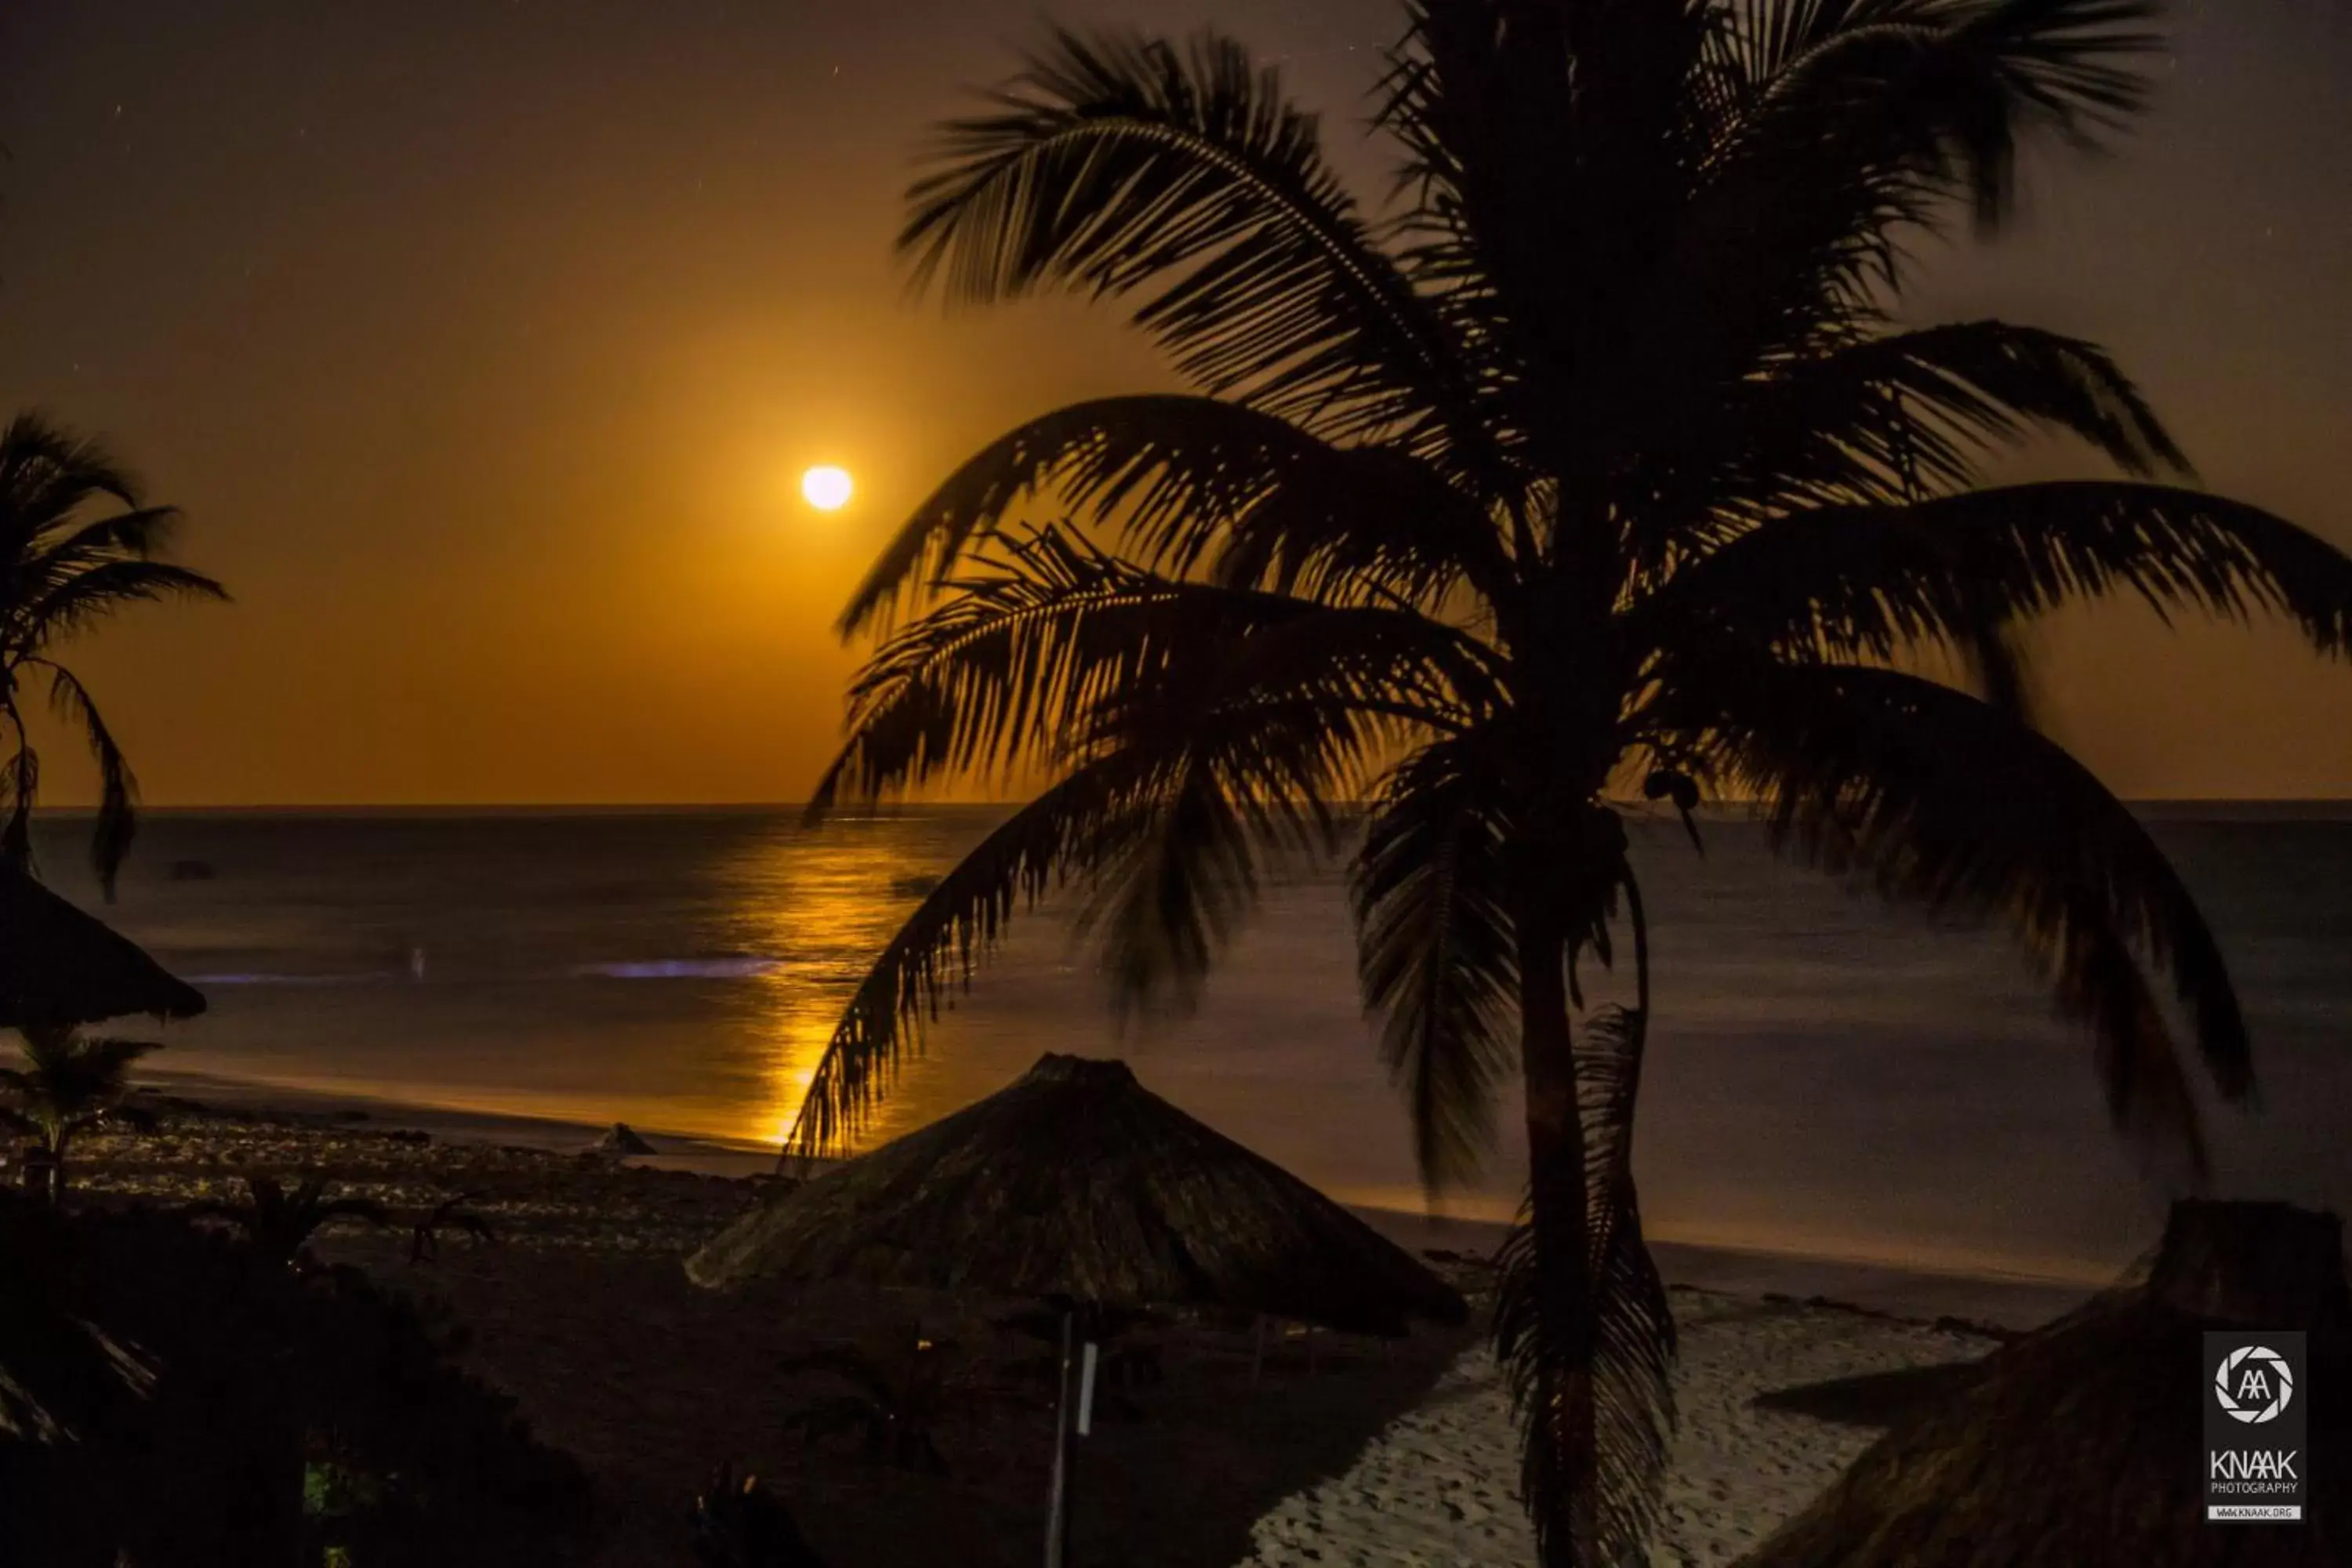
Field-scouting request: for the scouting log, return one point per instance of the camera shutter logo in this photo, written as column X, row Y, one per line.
column 2253, row 1385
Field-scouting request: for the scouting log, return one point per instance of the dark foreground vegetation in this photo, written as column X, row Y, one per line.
column 172, row 1395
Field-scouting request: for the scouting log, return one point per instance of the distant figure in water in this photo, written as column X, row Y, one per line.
column 416, row 964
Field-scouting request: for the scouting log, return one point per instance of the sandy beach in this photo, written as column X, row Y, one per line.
column 1343, row 1451
column 1437, row 1485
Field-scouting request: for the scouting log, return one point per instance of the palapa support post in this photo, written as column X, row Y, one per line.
column 1073, row 1407
column 1058, row 1510
column 1087, row 1363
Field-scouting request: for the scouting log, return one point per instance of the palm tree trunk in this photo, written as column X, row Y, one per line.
column 58, row 1148
column 1562, row 1472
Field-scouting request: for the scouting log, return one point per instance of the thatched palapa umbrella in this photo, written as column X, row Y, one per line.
column 1076, row 1181
column 2081, row 1445
column 59, row 966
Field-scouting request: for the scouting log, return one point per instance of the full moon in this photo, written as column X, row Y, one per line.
column 826, row 489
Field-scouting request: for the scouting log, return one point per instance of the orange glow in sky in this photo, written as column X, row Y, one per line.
column 488, row 357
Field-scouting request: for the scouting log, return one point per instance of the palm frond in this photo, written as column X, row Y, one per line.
column 1047, row 632
column 1180, row 781
column 1385, row 531
column 50, row 1048
column 1238, row 783
column 67, row 546
column 1874, row 126
column 1883, row 421
column 1438, row 248
column 1996, row 383
column 1868, row 580
column 104, row 1059
column 117, row 820
column 1122, row 165
column 47, row 473
column 1980, row 74
column 22, row 782
column 1938, row 798
column 1168, row 894
column 1245, row 746
column 1437, row 954
column 1482, row 111
column 1178, row 479
column 1041, row 625
column 100, row 591
column 61, row 1375
column 957, row 923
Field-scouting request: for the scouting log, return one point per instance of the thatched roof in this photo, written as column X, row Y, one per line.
column 1078, row 1181
column 2083, row 1444
column 58, row 965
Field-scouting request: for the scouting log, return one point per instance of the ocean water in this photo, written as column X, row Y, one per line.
column 1827, row 1075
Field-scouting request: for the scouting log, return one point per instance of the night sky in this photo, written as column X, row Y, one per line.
column 484, row 343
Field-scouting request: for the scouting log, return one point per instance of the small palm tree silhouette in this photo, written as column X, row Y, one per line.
column 62, row 570
column 280, row 1225
column 71, row 1083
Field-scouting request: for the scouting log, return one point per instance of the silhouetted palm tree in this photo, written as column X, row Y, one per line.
column 71, row 1083
column 280, row 1224
column 66, row 562
column 1602, row 471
